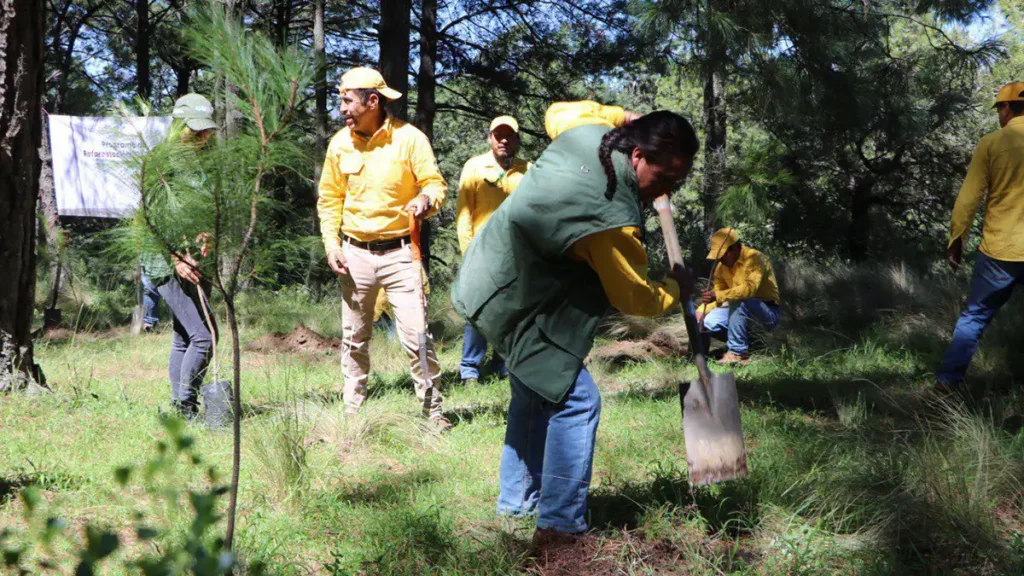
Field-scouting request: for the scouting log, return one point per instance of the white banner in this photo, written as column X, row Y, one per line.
column 90, row 162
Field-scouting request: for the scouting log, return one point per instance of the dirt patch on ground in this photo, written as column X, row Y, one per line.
column 661, row 344
column 301, row 340
column 592, row 555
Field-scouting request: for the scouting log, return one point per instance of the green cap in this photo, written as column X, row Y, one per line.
column 196, row 110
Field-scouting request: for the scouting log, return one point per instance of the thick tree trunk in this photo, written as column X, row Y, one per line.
column 21, row 91
column 858, row 236
column 393, row 40
column 143, row 78
column 714, row 142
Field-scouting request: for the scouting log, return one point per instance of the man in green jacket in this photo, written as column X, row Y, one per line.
column 540, row 276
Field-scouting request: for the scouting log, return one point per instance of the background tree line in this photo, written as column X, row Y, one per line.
column 830, row 128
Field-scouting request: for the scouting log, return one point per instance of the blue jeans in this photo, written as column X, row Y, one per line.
column 150, row 300
column 991, row 287
column 474, row 348
column 732, row 322
column 549, row 455
column 192, row 342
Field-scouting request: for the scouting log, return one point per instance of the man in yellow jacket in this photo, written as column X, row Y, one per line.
column 486, row 181
column 996, row 175
column 378, row 169
column 745, row 290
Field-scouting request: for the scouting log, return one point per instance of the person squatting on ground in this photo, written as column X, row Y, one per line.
column 378, row 168
column 996, row 175
column 745, row 295
column 486, row 181
column 539, row 277
column 179, row 285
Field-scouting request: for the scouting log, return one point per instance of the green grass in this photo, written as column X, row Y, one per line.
column 855, row 467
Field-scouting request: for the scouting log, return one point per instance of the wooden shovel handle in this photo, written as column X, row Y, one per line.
column 675, row 258
column 414, row 237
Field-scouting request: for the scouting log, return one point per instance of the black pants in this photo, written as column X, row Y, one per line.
column 193, row 341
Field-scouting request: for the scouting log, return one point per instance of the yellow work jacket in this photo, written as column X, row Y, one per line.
column 998, row 170
column 617, row 255
column 750, row 277
column 367, row 182
column 483, row 186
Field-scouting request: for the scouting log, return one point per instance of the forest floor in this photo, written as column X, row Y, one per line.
column 855, row 466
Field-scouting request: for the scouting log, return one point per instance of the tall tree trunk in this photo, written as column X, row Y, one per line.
column 714, row 141
column 143, row 78
column 426, row 103
column 319, row 123
column 21, row 92
column 858, row 236
column 183, row 76
column 426, row 84
column 393, row 41
column 230, row 117
column 52, row 231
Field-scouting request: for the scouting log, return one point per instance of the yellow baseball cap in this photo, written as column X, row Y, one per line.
column 721, row 241
column 1012, row 92
column 505, row 121
column 367, row 79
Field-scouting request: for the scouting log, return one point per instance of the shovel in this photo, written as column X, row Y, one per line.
column 711, row 408
column 417, row 258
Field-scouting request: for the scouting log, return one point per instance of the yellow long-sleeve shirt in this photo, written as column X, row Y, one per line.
column 562, row 116
column 483, row 186
column 367, row 182
column 998, row 169
column 616, row 255
column 751, row 276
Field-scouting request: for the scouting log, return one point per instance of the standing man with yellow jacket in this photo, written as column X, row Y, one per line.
column 486, row 181
column 996, row 176
column 378, row 169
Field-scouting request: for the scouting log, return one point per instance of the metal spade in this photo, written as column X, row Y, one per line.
column 711, row 410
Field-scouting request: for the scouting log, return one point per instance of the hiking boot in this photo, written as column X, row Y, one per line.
column 441, row 422
column 731, row 358
column 470, row 381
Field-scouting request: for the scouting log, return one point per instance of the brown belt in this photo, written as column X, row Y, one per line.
column 379, row 246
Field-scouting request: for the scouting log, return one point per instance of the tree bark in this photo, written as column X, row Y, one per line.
column 183, row 75
column 426, row 84
column 859, row 234
column 21, row 92
column 52, row 232
column 319, row 123
column 715, row 119
column 393, row 41
column 426, row 101
column 143, row 79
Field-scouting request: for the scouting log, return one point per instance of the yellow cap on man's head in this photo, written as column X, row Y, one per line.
column 721, row 241
column 1012, row 92
column 505, row 121
column 367, row 79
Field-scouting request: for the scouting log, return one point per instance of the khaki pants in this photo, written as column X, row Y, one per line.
column 399, row 276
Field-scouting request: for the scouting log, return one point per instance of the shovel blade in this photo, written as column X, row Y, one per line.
column 714, row 438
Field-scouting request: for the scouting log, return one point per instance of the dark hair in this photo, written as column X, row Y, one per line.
column 661, row 135
column 364, row 95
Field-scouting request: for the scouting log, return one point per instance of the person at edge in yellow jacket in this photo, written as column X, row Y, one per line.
column 486, row 181
column 745, row 292
column 996, row 175
column 540, row 276
column 378, row 169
